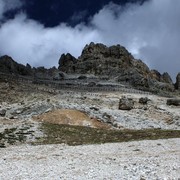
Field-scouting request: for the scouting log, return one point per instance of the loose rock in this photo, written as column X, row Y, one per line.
column 175, row 102
column 2, row 112
column 126, row 103
column 143, row 100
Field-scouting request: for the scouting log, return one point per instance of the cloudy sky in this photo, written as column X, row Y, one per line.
column 39, row 31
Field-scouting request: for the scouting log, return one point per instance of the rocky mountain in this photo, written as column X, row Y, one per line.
column 116, row 63
column 8, row 65
column 113, row 63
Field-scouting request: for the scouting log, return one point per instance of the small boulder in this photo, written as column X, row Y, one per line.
column 2, row 112
column 175, row 102
column 143, row 100
column 94, row 108
column 126, row 103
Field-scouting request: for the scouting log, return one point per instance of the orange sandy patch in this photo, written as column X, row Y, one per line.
column 70, row 117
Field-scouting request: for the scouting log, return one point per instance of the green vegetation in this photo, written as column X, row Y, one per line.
column 77, row 135
column 13, row 136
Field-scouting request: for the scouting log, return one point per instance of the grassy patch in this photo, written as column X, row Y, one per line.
column 14, row 136
column 77, row 135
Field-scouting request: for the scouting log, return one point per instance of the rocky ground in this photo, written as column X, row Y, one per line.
column 138, row 111
column 158, row 159
column 24, row 109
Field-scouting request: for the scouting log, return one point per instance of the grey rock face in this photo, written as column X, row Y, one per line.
column 126, row 103
column 67, row 63
column 175, row 102
column 156, row 75
column 166, row 78
column 97, row 59
column 8, row 65
column 161, row 82
column 100, row 60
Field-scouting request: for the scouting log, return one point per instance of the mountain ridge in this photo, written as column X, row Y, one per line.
column 110, row 63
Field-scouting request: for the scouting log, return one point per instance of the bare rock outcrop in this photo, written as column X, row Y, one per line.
column 167, row 78
column 9, row 66
column 67, row 63
column 113, row 62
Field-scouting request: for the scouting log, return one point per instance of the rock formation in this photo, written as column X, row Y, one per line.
column 8, row 65
column 167, row 78
column 67, row 63
column 97, row 60
column 116, row 63
column 177, row 84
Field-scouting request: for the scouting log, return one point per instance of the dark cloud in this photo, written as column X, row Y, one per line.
column 78, row 17
column 150, row 31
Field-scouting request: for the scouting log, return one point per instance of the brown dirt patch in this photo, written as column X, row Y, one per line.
column 70, row 117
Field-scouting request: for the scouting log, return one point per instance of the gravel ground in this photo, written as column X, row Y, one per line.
column 158, row 159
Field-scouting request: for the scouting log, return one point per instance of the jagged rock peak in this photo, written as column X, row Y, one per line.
column 97, row 59
column 116, row 63
column 8, row 65
column 177, row 85
column 167, row 78
column 101, row 50
column 66, row 62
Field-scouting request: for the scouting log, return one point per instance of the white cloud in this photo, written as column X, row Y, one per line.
column 150, row 31
column 28, row 41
